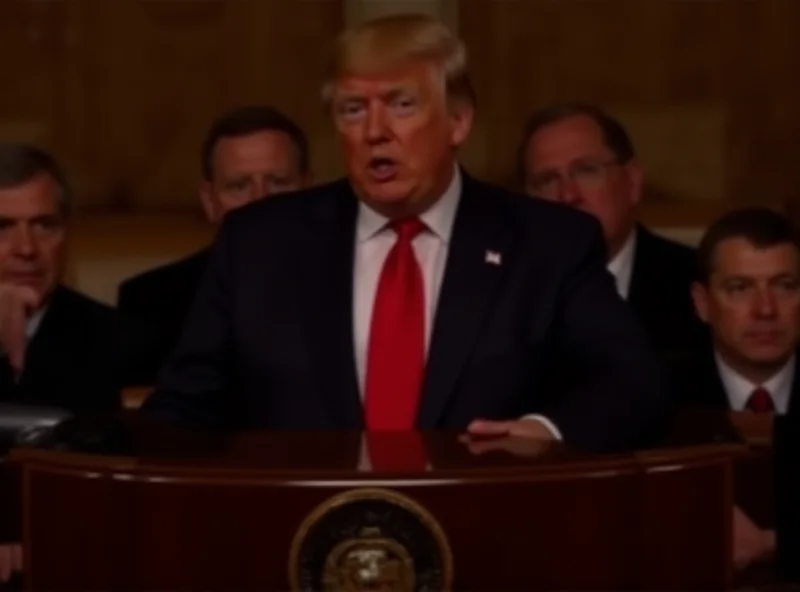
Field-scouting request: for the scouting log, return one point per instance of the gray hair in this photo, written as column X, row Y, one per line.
column 19, row 163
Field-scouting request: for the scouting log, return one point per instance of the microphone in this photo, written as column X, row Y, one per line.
column 27, row 425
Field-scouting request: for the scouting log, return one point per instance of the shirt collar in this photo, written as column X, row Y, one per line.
column 33, row 322
column 438, row 218
column 739, row 389
column 621, row 266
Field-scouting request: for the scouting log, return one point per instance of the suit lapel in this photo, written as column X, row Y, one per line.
column 45, row 357
column 478, row 256
column 328, row 286
column 712, row 385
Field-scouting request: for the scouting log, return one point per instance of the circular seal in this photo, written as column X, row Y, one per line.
column 370, row 539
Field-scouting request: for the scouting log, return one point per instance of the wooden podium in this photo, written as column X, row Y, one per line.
column 179, row 510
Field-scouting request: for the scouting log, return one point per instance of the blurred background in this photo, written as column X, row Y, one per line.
column 122, row 91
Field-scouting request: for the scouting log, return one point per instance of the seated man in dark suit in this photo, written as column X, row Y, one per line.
column 579, row 155
column 748, row 292
column 59, row 348
column 411, row 295
column 248, row 153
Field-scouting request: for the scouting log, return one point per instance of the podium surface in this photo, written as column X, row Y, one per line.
column 151, row 507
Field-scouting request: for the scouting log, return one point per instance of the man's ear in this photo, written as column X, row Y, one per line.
column 207, row 201
column 700, row 300
column 462, row 114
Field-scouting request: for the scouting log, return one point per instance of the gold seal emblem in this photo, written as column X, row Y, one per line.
column 370, row 540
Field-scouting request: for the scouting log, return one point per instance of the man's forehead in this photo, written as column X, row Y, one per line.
column 404, row 78
column 571, row 139
column 261, row 149
column 742, row 247
column 37, row 197
column 256, row 142
column 739, row 257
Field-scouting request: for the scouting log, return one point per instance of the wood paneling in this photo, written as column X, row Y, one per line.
column 719, row 78
column 36, row 48
column 123, row 91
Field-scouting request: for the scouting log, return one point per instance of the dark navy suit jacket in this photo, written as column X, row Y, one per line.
column 269, row 339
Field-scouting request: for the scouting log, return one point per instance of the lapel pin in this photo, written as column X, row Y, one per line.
column 493, row 258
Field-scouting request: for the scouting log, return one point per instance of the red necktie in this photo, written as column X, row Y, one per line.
column 396, row 351
column 760, row 401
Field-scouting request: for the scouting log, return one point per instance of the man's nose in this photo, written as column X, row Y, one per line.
column 376, row 124
column 260, row 188
column 24, row 242
column 765, row 303
column 569, row 192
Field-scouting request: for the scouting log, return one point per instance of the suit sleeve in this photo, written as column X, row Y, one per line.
column 194, row 385
column 615, row 391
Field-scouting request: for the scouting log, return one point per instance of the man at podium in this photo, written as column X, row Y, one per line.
column 410, row 295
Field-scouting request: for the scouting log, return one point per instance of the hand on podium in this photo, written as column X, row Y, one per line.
column 10, row 561
column 527, row 427
column 751, row 544
column 523, row 437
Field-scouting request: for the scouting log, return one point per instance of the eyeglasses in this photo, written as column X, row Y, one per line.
column 585, row 174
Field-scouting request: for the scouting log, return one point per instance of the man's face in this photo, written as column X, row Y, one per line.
column 568, row 161
column 398, row 135
column 247, row 168
column 751, row 302
column 32, row 235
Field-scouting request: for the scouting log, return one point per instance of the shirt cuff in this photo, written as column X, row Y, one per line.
column 547, row 423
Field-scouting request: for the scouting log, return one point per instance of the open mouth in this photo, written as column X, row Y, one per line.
column 382, row 169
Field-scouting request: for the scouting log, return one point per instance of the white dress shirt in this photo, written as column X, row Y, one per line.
column 33, row 323
column 374, row 240
column 738, row 388
column 621, row 265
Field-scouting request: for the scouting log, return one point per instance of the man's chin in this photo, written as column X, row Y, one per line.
column 388, row 197
column 388, row 192
column 769, row 356
column 40, row 285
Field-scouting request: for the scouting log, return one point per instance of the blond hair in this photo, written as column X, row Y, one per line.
column 391, row 42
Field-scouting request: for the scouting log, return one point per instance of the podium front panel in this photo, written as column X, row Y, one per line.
column 658, row 521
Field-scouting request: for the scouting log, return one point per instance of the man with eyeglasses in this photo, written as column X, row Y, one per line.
column 578, row 155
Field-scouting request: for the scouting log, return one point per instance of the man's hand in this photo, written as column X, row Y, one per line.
column 750, row 543
column 522, row 437
column 10, row 561
column 16, row 305
column 526, row 428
